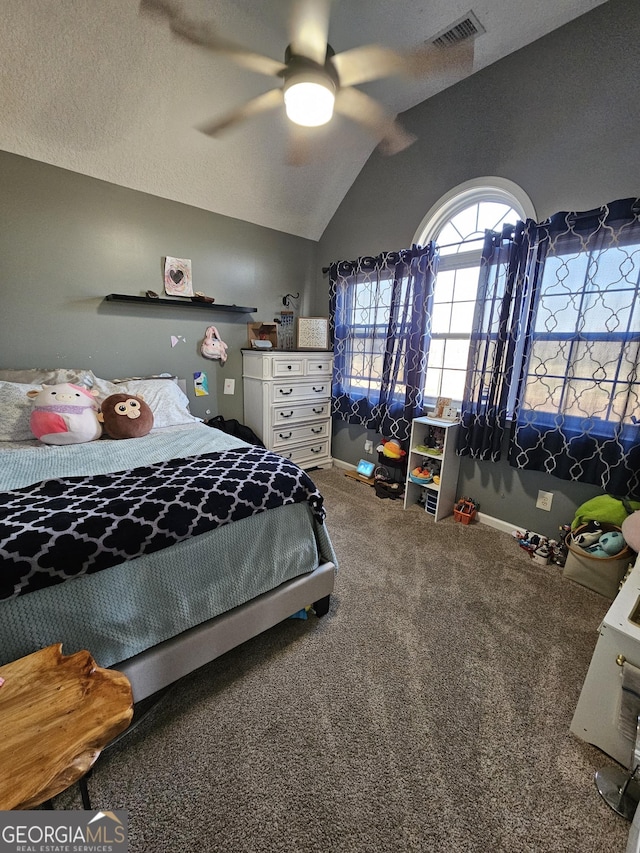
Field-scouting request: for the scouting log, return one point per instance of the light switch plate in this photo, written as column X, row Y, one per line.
column 229, row 386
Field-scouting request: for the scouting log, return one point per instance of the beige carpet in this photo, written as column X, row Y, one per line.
column 428, row 711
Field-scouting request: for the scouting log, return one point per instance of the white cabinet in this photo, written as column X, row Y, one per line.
column 433, row 446
column 287, row 402
column 597, row 718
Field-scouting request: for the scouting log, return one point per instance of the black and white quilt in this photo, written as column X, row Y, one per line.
column 63, row 528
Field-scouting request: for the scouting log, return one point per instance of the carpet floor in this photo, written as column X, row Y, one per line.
column 428, row 711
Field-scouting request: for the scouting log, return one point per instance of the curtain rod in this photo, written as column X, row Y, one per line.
column 325, row 270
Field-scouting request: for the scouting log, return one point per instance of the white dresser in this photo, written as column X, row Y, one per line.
column 287, row 402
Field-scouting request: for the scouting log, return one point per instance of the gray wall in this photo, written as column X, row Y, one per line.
column 561, row 119
column 67, row 240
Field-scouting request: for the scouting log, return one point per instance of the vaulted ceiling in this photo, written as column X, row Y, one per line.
column 100, row 89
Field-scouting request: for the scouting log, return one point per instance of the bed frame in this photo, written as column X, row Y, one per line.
column 160, row 666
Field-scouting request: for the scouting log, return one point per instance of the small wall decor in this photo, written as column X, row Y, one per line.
column 312, row 333
column 284, row 321
column 213, row 346
column 177, row 277
column 200, row 384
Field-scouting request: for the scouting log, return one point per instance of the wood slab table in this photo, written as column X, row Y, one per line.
column 57, row 713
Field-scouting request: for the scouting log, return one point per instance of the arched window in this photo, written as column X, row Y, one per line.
column 457, row 224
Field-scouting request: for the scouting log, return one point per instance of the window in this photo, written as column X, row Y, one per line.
column 579, row 392
column 368, row 317
column 583, row 353
column 457, row 224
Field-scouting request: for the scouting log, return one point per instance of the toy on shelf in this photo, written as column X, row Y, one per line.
column 421, row 475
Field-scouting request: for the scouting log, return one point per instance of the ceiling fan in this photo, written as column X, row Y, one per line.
column 316, row 80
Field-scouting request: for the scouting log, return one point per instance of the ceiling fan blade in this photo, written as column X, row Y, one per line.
column 203, row 34
column 310, row 29
column 355, row 105
column 269, row 100
column 370, row 62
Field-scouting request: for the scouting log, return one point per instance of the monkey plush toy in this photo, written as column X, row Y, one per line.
column 125, row 416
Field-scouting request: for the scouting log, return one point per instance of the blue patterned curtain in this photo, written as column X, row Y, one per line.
column 380, row 320
column 494, row 344
column 579, row 390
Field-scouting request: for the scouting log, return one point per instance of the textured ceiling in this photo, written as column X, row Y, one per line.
column 91, row 86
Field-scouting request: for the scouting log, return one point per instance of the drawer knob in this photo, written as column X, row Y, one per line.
column 318, row 411
column 288, row 367
column 285, row 393
column 318, row 390
column 281, row 435
column 316, row 431
column 288, row 415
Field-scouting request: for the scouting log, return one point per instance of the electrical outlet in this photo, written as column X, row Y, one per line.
column 368, row 447
column 545, row 499
column 229, row 386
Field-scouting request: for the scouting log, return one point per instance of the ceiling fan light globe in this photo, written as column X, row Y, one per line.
column 309, row 100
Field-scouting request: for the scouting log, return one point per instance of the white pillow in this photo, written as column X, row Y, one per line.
column 15, row 411
column 170, row 406
column 44, row 376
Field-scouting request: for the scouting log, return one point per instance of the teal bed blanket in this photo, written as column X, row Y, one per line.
column 126, row 609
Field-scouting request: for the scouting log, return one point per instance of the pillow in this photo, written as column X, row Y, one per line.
column 107, row 387
column 15, row 411
column 170, row 406
column 44, row 376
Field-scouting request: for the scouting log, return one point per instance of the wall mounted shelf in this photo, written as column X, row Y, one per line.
column 180, row 303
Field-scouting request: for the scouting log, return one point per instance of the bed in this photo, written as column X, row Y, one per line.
column 234, row 538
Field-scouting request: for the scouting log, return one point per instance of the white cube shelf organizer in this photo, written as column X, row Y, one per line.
column 433, row 446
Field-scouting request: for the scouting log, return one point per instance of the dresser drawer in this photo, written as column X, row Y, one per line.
column 288, row 367
column 307, row 455
column 283, row 415
column 318, row 366
column 320, row 389
column 283, row 436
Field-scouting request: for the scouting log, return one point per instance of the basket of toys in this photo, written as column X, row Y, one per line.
column 464, row 510
column 598, row 557
column 421, row 475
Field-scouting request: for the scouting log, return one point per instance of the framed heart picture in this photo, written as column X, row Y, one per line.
column 177, row 277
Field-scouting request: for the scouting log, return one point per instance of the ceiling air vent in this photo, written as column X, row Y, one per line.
column 468, row 26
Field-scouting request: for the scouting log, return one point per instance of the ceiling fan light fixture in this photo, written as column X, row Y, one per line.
column 309, row 97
